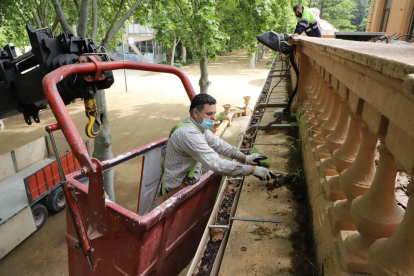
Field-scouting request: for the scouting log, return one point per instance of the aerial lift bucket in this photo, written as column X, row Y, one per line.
column 103, row 237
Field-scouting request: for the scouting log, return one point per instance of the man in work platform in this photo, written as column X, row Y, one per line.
column 193, row 148
column 308, row 22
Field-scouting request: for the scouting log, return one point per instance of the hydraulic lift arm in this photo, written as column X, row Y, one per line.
column 21, row 77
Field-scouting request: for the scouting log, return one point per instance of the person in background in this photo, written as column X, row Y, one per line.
column 308, row 22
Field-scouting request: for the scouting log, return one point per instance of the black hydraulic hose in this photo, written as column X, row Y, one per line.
column 295, row 67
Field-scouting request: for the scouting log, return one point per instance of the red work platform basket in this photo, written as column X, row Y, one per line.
column 114, row 240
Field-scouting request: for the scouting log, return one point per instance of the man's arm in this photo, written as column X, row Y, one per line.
column 195, row 145
column 224, row 148
column 301, row 26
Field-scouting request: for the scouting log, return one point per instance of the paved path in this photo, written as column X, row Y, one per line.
column 153, row 105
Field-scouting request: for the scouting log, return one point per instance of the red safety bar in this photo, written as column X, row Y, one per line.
column 64, row 121
column 115, row 240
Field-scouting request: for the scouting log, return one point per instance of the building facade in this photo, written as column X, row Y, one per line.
column 391, row 17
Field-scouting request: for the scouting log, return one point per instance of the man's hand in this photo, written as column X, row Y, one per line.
column 254, row 159
column 263, row 173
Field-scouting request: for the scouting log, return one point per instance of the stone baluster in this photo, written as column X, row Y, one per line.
column 317, row 105
column 324, row 101
column 375, row 214
column 354, row 181
column 335, row 140
column 312, row 87
column 247, row 109
column 226, row 109
column 394, row 256
column 330, row 124
column 325, row 111
column 343, row 157
column 315, row 98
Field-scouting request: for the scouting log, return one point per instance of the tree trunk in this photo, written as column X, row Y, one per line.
column 111, row 32
column 55, row 24
column 94, row 20
column 35, row 16
column 45, row 14
column 83, row 18
column 204, row 82
column 173, row 51
column 183, row 54
column 102, row 145
column 62, row 19
column 252, row 61
column 322, row 10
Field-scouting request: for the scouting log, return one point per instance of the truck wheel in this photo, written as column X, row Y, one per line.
column 39, row 215
column 56, row 200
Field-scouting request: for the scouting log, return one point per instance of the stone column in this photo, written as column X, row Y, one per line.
column 330, row 124
column 335, row 140
column 311, row 88
column 343, row 157
column 325, row 100
column 226, row 109
column 247, row 109
column 375, row 214
column 314, row 98
column 326, row 111
column 394, row 256
column 354, row 181
column 316, row 105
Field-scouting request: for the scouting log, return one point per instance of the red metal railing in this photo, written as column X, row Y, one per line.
column 161, row 242
column 64, row 121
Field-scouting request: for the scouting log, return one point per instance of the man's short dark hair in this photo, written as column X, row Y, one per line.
column 200, row 100
column 297, row 7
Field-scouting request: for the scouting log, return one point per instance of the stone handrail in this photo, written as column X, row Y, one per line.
column 353, row 96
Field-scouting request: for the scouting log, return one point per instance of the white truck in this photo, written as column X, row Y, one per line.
column 29, row 188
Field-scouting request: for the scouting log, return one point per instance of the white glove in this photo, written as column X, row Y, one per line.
column 254, row 159
column 263, row 173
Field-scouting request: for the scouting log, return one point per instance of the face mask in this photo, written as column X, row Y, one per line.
column 299, row 15
column 207, row 123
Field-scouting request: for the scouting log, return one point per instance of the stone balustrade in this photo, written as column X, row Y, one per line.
column 220, row 127
column 351, row 97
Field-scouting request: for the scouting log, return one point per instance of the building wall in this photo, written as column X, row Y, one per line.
column 399, row 18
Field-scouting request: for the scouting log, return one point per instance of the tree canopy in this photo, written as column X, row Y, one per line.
column 204, row 27
column 345, row 15
column 100, row 20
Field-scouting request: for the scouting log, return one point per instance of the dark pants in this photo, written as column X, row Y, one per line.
column 313, row 32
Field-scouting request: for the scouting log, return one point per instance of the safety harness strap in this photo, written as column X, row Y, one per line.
column 189, row 177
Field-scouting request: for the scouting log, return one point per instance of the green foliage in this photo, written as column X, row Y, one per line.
column 14, row 15
column 264, row 163
column 243, row 20
column 268, row 65
column 178, row 63
column 340, row 14
column 360, row 14
column 298, row 176
column 220, row 116
column 345, row 15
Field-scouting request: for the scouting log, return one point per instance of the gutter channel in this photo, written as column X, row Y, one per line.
column 246, row 144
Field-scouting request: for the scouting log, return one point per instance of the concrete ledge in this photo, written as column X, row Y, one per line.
column 396, row 61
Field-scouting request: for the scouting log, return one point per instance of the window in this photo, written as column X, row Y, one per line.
column 385, row 15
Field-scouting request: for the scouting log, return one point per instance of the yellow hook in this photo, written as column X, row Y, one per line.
column 91, row 112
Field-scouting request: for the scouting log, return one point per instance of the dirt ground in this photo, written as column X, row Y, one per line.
column 153, row 104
